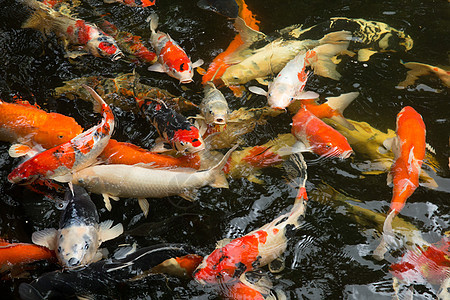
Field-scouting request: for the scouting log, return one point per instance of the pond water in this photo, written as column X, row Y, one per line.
column 330, row 257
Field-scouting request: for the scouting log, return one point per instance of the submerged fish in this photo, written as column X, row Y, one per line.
column 57, row 163
column 227, row 8
column 140, row 181
column 256, row 249
column 27, row 126
column 79, row 236
column 72, row 31
column 419, row 69
column 316, row 136
column 171, row 57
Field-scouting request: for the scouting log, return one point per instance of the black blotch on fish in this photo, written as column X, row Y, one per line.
column 281, row 221
column 227, row 8
column 240, row 268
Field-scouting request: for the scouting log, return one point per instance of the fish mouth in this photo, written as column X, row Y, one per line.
column 117, row 56
column 346, row 154
column 186, row 80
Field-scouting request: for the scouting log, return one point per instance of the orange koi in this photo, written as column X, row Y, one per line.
column 182, row 266
column 26, row 124
column 219, row 64
column 240, row 291
column 255, row 249
column 57, row 163
column 22, row 253
column 128, row 154
column 171, row 57
column 134, row 3
column 316, row 136
column 409, row 151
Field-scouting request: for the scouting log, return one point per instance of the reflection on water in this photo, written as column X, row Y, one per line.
column 331, row 255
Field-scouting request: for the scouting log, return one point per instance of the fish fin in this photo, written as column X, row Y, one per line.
column 219, row 177
column 388, row 238
column 106, row 232
column 389, row 178
column 198, row 63
column 238, row 90
column 74, row 54
column 160, row 146
column 107, row 202
column 427, row 181
column 223, row 242
column 248, row 35
column 40, row 19
column 257, row 90
column 263, row 80
column 389, row 143
column 253, row 178
column 430, row 148
column 144, row 205
column 343, row 121
column 46, row 238
column 153, row 19
column 341, row 102
column 19, row 150
column 157, row 67
column 125, row 251
column 63, row 178
column 299, row 147
column 110, row 1
column 277, row 265
column 189, row 195
column 306, row 95
column 365, row 54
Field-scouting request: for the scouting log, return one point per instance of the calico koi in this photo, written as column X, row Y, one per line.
column 255, row 249
column 72, row 31
column 128, row 154
column 171, row 57
column 316, row 136
column 28, row 126
column 141, row 181
column 57, row 163
column 174, row 128
column 79, row 236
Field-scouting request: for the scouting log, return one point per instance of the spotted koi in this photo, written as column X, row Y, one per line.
column 57, row 163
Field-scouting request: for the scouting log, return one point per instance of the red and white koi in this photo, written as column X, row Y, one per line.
column 316, row 136
column 57, row 163
column 255, row 249
column 72, row 31
column 290, row 82
column 171, row 57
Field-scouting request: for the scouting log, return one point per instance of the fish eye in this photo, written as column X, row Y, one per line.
column 81, row 180
column 182, row 143
column 86, row 247
column 60, row 136
column 59, row 249
column 270, row 94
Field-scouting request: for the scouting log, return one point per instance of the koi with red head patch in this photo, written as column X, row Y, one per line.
column 290, row 82
column 409, row 151
column 133, row 3
column 58, row 162
column 72, row 31
column 128, row 154
column 28, row 125
column 171, row 57
column 255, row 249
column 316, row 136
column 173, row 128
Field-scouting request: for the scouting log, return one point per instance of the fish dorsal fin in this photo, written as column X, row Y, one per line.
column 46, row 238
column 106, row 232
column 144, row 205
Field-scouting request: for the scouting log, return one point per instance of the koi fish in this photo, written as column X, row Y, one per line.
column 271, row 59
column 419, row 69
column 12, row 254
column 57, row 163
column 128, row 154
column 316, row 136
column 133, row 3
column 140, row 181
column 214, row 106
column 258, row 289
column 72, row 31
column 129, row 43
column 256, row 249
column 79, row 236
column 227, row 8
column 100, row 276
column 409, row 150
column 171, row 57
column 28, row 126
column 182, row 267
column 173, row 128
column 290, row 82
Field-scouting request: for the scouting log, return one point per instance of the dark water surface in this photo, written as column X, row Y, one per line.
column 330, row 257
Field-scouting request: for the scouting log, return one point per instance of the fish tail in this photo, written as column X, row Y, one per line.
column 332, row 45
column 219, row 176
column 153, row 18
column 41, row 19
column 295, row 167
